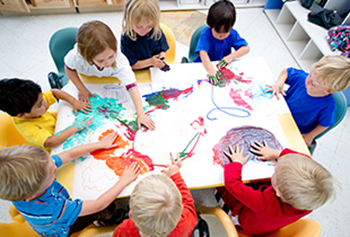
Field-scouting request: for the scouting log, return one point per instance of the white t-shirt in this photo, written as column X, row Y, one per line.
column 122, row 71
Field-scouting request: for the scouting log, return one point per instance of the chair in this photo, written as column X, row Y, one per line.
column 341, row 106
column 61, row 42
column 221, row 216
column 19, row 227
column 193, row 44
column 9, row 136
column 170, row 37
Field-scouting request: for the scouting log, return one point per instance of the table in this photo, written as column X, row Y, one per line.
column 191, row 116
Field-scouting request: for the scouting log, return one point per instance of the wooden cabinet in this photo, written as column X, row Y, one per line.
column 14, row 5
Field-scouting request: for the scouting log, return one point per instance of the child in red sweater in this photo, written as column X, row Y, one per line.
column 160, row 205
column 298, row 186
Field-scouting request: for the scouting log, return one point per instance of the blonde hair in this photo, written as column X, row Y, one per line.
column 135, row 10
column 93, row 38
column 156, row 205
column 22, row 171
column 333, row 72
column 304, row 183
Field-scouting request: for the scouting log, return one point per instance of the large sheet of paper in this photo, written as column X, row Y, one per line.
column 193, row 119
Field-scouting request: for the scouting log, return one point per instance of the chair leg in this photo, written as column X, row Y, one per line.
column 312, row 146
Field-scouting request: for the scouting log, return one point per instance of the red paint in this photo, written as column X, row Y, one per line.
column 235, row 95
column 229, row 75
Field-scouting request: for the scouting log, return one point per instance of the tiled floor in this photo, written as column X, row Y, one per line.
column 24, row 54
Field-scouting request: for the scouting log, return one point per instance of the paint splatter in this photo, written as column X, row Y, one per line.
column 243, row 137
column 226, row 76
column 236, row 96
column 160, row 99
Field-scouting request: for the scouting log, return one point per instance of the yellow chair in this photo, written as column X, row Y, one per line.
column 19, row 227
column 221, row 216
column 170, row 37
column 9, row 136
column 300, row 228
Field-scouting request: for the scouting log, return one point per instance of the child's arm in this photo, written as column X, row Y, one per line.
column 236, row 54
column 155, row 61
column 93, row 206
column 278, row 86
column 142, row 118
column 71, row 154
column 84, row 93
column 309, row 137
column 56, row 140
column 264, row 151
column 76, row 104
column 208, row 65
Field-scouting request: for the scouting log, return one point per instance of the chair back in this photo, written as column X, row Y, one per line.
column 194, row 40
column 170, row 38
column 341, row 108
column 9, row 136
column 61, row 42
column 300, row 228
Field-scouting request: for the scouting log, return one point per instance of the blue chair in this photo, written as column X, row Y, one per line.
column 341, row 104
column 193, row 44
column 61, row 42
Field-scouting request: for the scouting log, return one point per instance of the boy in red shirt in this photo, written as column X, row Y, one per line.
column 298, row 186
column 160, row 205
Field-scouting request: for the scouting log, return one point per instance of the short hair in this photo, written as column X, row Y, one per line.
column 304, row 183
column 22, row 171
column 93, row 38
column 333, row 72
column 18, row 95
column 156, row 205
column 222, row 16
column 135, row 10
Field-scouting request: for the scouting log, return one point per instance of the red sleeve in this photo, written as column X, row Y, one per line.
column 289, row 151
column 188, row 218
column 126, row 229
column 253, row 199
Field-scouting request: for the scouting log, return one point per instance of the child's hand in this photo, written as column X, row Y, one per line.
column 80, row 105
column 81, row 125
column 276, row 90
column 84, row 94
column 174, row 167
column 157, row 62
column 264, row 151
column 108, row 141
column 212, row 76
column 236, row 156
column 146, row 121
column 130, row 173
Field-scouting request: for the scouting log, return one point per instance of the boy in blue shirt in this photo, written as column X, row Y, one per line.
column 309, row 96
column 217, row 40
column 27, row 178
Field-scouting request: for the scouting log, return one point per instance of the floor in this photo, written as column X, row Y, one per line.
column 24, row 54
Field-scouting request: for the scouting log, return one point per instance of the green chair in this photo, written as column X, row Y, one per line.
column 193, row 44
column 341, row 106
column 61, row 42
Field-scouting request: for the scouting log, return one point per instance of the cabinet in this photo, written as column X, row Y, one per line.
column 307, row 42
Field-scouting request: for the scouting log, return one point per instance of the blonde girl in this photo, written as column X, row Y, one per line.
column 142, row 41
column 96, row 54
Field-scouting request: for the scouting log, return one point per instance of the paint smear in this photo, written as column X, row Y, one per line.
column 236, row 96
column 226, row 76
column 160, row 99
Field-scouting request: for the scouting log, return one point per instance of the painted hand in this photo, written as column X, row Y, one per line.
column 264, row 151
column 81, row 125
column 174, row 166
column 221, row 64
column 84, row 94
column 130, row 173
column 276, row 89
column 80, row 105
column 236, row 156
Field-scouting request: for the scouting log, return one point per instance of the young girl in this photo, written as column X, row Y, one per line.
column 143, row 42
column 96, row 54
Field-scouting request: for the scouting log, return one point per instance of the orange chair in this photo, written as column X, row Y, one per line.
column 9, row 136
column 170, row 37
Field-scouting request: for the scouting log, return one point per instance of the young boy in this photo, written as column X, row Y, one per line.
column 298, row 186
column 160, row 206
column 217, row 40
column 309, row 95
column 27, row 178
column 28, row 106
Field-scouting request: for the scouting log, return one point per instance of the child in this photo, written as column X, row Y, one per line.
column 160, row 206
column 298, row 186
column 27, row 177
column 217, row 40
column 143, row 42
column 309, row 95
column 28, row 106
column 96, row 54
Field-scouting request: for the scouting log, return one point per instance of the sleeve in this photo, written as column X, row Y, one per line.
column 163, row 43
column 237, row 41
column 124, row 71
column 57, row 160
column 188, row 218
column 70, row 60
column 203, row 42
column 126, row 46
column 295, row 75
column 49, row 97
column 253, row 199
column 289, row 151
column 327, row 115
